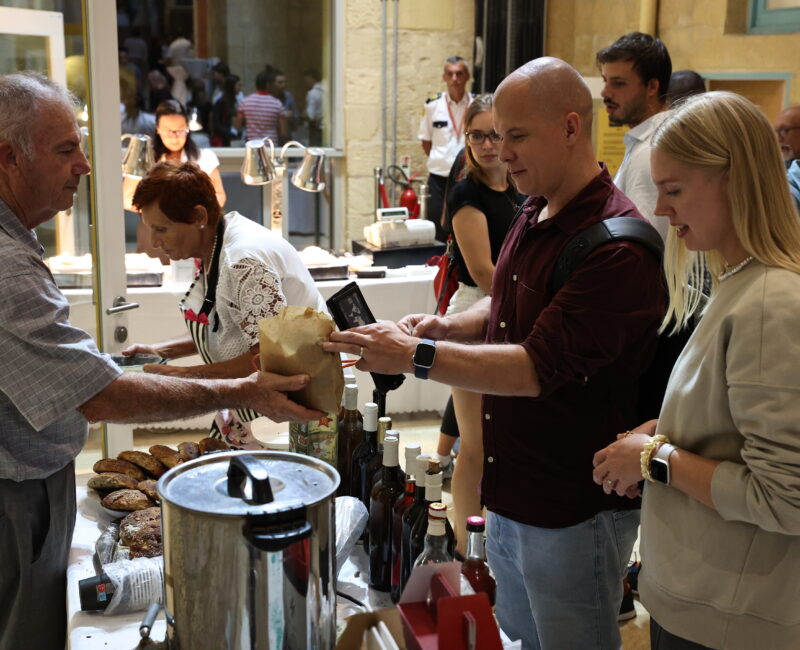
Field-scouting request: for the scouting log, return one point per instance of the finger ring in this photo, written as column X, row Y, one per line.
column 610, row 483
column 361, row 351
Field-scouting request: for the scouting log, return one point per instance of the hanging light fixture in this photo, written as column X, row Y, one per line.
column 138, row 158
column 194, row 121
column 259, row 169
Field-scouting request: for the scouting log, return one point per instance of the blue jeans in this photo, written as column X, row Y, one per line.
column 561, row 588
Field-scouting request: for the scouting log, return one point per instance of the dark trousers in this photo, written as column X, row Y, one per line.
column 436, row 187
column 660, row 639
column 37, row 518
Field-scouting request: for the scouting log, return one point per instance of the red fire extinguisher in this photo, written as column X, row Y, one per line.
column 408, row 199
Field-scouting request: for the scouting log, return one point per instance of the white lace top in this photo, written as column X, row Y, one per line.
column 260, row 273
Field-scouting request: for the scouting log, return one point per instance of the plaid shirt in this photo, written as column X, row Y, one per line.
column 48, row 367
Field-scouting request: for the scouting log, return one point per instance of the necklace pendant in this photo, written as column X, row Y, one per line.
column 729, row 271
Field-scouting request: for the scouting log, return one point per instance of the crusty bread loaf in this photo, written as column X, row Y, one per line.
column 147, row 462
column 135, row 521
column 208, row 445
column 166, row 455
column 112, row 481
column 119, row 466
column 147, row 541
column 127, row 500
column 149, row 488
column 189, row 450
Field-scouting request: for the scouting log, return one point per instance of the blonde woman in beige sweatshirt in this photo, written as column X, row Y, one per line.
column 720, row 533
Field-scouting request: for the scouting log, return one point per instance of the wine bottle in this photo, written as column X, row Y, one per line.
column 374, row 469
column 417, row 509
column 383, row 496
column 351, row 433
column 403, row 503
column 474, row 567
column 365, row 452
column 434, row 550
column 433, row 494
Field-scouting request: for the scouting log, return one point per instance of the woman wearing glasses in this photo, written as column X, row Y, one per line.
column 721, row 512
column 480, row 209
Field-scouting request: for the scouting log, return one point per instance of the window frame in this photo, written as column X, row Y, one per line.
column 772, row 21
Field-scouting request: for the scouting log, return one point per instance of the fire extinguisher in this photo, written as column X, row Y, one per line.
column 408, row 199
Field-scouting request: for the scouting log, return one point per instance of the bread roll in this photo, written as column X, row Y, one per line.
column 119, row 466
column 147, row 462
column 166, row 455
column 127, row 500
column 208, row 445
column 135, row 521
column 189, row 450
column 146, row 542
column 112, row 481
column 149, row 488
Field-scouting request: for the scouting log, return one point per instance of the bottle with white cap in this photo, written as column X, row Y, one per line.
column 384, row 494
column 435, row 549
column 403, row 503
column 433, row 494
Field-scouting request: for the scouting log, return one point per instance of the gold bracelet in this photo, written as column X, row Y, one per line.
column 648, row 450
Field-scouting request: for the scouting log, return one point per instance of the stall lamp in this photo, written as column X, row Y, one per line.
column 83, row 116
column 138, row 157
column 259, row 168
column 194, row 121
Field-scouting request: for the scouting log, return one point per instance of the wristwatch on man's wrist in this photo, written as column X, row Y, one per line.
column 423, row 358
column 659, row 464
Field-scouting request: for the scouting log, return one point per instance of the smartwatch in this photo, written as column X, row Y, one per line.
column 423, row 358
column 659, row 464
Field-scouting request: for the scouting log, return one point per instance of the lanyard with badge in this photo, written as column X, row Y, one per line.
column 456, row 129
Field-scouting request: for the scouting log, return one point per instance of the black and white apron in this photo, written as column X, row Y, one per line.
column 232, row 425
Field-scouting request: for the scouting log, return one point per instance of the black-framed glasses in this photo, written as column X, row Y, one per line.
column 784, row 130
column 477, row 137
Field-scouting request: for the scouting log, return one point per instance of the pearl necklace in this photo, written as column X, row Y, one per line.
column 732, row 270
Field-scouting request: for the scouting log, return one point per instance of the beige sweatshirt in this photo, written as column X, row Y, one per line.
column 730, row 578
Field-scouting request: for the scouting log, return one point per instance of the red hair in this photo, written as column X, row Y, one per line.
column 176, row 188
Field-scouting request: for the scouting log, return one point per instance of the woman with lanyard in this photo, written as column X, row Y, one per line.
column 246, row 273
column 480, row 209
column 720, row 538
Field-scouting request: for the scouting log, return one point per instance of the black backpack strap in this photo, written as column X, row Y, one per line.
column 603, row 232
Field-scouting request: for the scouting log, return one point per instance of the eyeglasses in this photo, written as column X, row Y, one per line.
column 175, row 134
column 784, row 130
column 477, row 137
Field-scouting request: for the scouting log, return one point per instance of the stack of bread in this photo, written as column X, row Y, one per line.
column 128, row 483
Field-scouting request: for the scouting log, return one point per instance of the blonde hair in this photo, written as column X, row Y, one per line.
column 725, row 133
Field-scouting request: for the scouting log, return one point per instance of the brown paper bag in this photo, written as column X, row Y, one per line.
column 290, row 345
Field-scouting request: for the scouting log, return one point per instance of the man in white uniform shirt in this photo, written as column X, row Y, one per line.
column 636, row 71
column 441, row 131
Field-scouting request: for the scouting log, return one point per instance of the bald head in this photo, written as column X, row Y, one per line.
column 556, row 89
column 787, row 126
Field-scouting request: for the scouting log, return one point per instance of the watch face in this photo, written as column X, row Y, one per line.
column 424, row 355
column 659, row 470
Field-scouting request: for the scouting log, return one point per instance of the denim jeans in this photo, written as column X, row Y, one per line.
column 561, row 588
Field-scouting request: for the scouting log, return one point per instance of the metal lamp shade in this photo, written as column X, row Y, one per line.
column 138, row 158
column 257, row 168
column 310, row 174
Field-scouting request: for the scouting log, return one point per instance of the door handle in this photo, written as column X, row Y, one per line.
column 121, row 304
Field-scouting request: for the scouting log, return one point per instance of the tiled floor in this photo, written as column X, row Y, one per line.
column 421, row 428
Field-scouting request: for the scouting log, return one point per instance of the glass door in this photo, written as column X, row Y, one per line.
column 60, row 38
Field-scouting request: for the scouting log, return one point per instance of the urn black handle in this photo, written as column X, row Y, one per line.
column 276, row 538
column 245, row 467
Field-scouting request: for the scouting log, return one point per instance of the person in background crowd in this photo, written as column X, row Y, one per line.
column 133, row 118
column 480, row 209
column 557, row 545
column 173, row 142
column 126, row 64
column 636, row 69
column 314, row 105
column 158, row 89
column 787, row 128
column 200, row 103
column 683, row 84
column 441, row 131
column 223, row 113
column 53, row 379
column 290, row 110
column 721, row 515
column 136, row 47
column 261, row 114
column 248, row 273
column 219, row 73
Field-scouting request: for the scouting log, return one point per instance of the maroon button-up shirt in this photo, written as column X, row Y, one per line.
column 538, row 451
